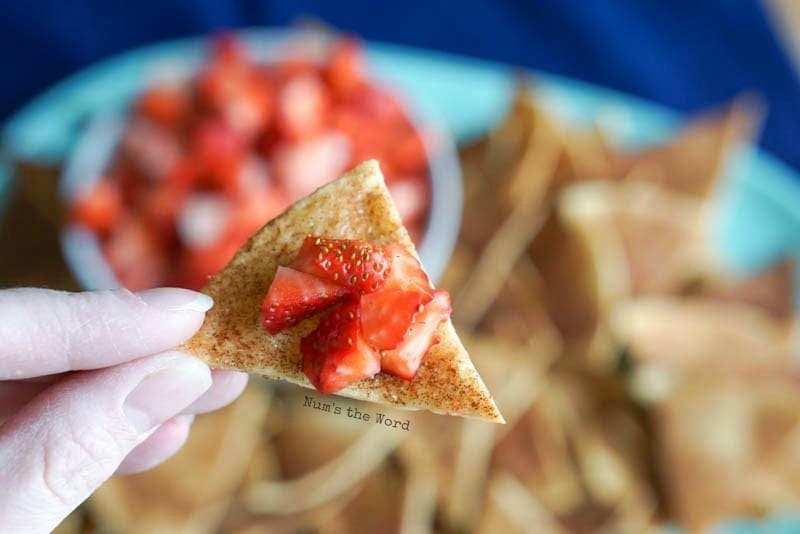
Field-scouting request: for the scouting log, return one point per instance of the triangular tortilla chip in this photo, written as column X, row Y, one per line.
column 356, row 206
column 694, row 160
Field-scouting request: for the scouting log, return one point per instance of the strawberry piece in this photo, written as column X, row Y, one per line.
column 405, row 271
column 303, row 167
column 101, row 208
column 294, row 65
column 218, row 83
column 354, row 264
column 203, row 219
column 335, row 355
column 294, row 296
column 219, row 152
column 253, row 212
column 227, row 48
column 160, row 203
column 136, row 255
column 379, row 105
column 250, row 104
column 152, row 149
column 410, row 155
column 410, row 196
column 198, row 265
column 301, row 107
column 386, row 316
column 164, row 104
column 404, row 361
column 345, row 69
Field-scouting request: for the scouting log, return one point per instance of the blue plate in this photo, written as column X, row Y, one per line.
column 758, row 223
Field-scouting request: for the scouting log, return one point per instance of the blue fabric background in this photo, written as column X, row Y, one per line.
column 685, row 54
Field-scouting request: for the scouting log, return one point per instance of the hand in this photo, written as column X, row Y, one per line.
column 89, row 387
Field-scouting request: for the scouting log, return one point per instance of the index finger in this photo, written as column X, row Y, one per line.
column 45, row 332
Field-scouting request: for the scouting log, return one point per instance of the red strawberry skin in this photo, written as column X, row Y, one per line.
column 405, row 359
column 294, row 296
column 335, row 355
column 356, row 265
column 387, row 314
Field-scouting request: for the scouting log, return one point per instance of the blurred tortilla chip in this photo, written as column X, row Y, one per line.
column 422, row 486
column 564, row 260
column 588, row 155
column 716, row 432
column 693, row 161
column 662, row 235
column 378, row 502
column 321, row 435
column 511, row 507
column 519, row 315
column 75, row 523
column 697, row 333
column 772, row 290
column 537, row 451
column 459, row 451
column 519, row 373
column 191, row 491
column 512, row 168
column 327, row 481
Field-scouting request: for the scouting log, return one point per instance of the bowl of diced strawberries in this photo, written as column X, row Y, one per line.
column 166, row 192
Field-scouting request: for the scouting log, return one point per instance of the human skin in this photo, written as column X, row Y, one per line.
column 90, row 386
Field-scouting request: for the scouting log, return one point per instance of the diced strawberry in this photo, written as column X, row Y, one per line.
column 254, row 176
column 301, row 107
column 379, row 105
column 161, row 202
column 184, row 174
column 196, row 266
column 153, row 149
column 217, row 83
column 387, row 314
column 254, row 211
column 227, row 48
column 136, row 255
column 203, row 219
column 354, row 264
column 303, row 167
column 250, row 105
column 351, row 123
column 257, row 200
column 410, row 156
column 295, row 65
column 345, row 69
column 219, row 152
column 294, row 296
column 335, row 355
column 101, row 208
column 165, row 104
column 404, row 361
column 243, row 100
column 405, row 271
column 410, row 196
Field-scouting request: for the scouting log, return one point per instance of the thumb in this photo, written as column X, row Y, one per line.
column 66, row 442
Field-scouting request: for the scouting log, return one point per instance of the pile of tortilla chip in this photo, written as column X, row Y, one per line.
column 642, row 384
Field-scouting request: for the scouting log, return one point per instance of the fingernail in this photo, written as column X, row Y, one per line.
column 165, row 392
column 176, row 299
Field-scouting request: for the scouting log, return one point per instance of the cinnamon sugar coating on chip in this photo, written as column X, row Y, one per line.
column 356, row 206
